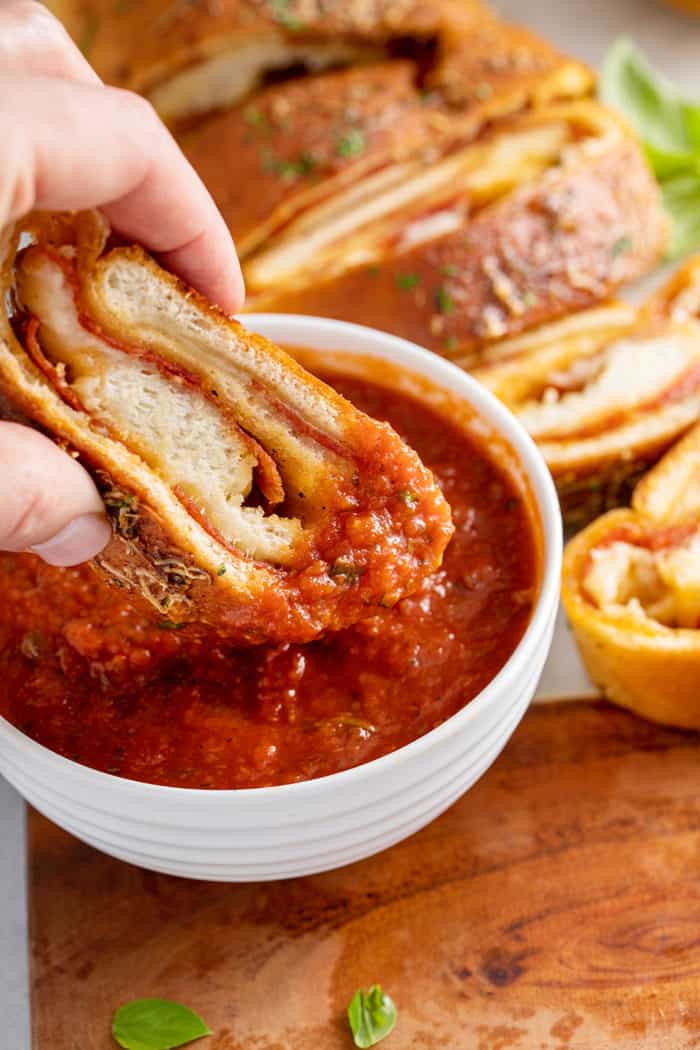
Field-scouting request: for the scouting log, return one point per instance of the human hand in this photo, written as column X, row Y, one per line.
column 71, row 143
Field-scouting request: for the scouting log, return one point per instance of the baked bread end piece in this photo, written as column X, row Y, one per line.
column 631, row 590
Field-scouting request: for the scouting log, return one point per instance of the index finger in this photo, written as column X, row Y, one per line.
column 71, row 146
column 32, row 40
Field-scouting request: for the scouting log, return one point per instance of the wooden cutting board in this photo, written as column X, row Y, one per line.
column 556, row 906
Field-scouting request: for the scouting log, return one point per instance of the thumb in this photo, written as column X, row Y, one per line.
column 48, row 503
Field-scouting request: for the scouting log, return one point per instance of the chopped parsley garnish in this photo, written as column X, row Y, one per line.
column 351, row 143
column 621, row 246
column 31, row 645
column 346, row 570
column 171, row 625
column 353, row 722
column 443, row 300
column 373, row 271
column 221, row 571
column 282, row 14
column 288, row 169
column 483, row 90
column 449, row 270
column 409, row 498
column 452, row 342
column 407, row 280
column 256, row 118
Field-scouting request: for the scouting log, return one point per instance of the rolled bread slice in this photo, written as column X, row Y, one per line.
column 305, row 140
column 544, row 215
column 606, row 391
column 244, row 493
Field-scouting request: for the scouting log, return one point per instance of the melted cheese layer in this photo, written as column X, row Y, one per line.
column 661, row 585
column 631, row 374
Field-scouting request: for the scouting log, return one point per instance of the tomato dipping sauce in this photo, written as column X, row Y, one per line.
column 94, row 676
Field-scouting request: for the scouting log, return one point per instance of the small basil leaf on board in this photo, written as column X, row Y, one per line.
column 682, row 201
column 156, row 1024
column 372, row 1016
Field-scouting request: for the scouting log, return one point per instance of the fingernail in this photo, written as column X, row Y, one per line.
column 80, row 540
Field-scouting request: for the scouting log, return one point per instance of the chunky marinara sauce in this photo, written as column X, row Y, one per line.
column 93, row 675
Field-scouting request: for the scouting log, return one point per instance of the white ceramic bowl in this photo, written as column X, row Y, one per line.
column 300, row 829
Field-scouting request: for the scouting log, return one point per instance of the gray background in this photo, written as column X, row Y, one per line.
column 584, row 27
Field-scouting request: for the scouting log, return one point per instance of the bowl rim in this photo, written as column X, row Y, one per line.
column 325, row 333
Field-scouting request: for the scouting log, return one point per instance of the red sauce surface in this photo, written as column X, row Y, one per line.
column 91, row 674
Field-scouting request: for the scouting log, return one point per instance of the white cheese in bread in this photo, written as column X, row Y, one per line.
column 224, row 78
column 629, row 375
column 662, row 585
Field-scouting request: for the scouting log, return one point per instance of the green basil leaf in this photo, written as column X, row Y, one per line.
column 352, row 143
column 372, row 1016
column 691, row 116
column 667, row 164
column 443, row 300
column 682, row 201
column 156, row 1024
column 670, row 129
column 648, row 100
column 407, row 281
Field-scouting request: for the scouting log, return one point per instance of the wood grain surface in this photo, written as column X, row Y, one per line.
column 555, row 907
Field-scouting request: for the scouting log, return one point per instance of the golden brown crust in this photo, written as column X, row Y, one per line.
column 470, row 59
column 491, row 67
column 366, row 18
column 139, row 43
column 557, row 244
column 677, row 300
column 591, row 482
column 670, row 493
column 363, row 543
